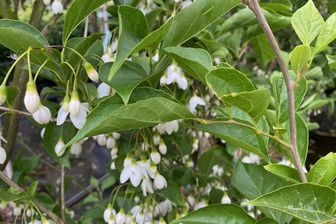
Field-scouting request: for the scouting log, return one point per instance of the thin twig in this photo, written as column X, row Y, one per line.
column 62, row 193
column 41, row 207
column 290, row 85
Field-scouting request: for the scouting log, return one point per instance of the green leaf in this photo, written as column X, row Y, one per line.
column 195, row 18
column 254, row 102
column 150, row 108
column 299, row 58
column 127, row 78
column 195, row 61
column 285, row 172
column 211, row 157
column 77, row 12
column 232, row 133
column 19, row 36
column 309, row 202
column 263, row 49
column 307, row 22
column 327, row 34
column 253, row 180
column 267, row 221
column 215, row 214
column 224, row 81
column 324, row 170
column 31, row 190
column 173, row 193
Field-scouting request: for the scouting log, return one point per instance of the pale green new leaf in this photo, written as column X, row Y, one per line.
column 285, row 172
column 215, row 214
column 324, row 170
column 77, row 12
column 195, row 61
column 263, row 49
column 254, row 102
column 309, row 202
column 224, row 81
column 327, row 34
column 299, row 58
column 307, row 22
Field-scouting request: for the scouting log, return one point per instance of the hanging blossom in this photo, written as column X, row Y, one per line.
column 174, row 74
column 104, row 90
column 57, row 7
column 194, row 102
column 168, row 127
column 78, row 111
column 32, row 102
column 251, row 158
column 3, row 154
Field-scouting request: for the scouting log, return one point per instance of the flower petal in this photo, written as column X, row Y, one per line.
column 61, row 116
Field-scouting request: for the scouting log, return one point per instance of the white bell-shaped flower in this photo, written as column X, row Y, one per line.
column 159, row 181
column 194, row 102
column 163, row 80
column 113, row 166
column 251, row 158
column 155, row 157
column 103, row 90
column 182, row 82
column 114, row 153
column 131, row 172
column 156, row 139
column 108, row 211
column 3, row 94
column 107, row 57
column 59, row 148
column 74, row 104
column 32, row 100
column 201, row 204
column 57, row 7
column 42, row 115
column 147, row 187
column 120, row 217
column 91, row 72
column 3, row 155
column 225, row 199
column 171, row 127
column 116, row 135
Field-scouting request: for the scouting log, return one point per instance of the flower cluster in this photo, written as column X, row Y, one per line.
column 174, row 74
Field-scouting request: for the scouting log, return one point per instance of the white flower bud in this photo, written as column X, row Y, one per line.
column 3, row 155
column 116, row 135
column 156, row 139
column 42, row 115
column 113, row 166
column 57, row 7
column 160, row 182
column 32, row 99
column 110, row 142
column 74, row 104
column 103, row 90
column 163, row 148
column 3, row 94
column 225, row 199
column 120, row 217
column 91, row 72
column 155, row 157
column 114, row 153
column 76, row 149
column 59, row 148
column 101, row 140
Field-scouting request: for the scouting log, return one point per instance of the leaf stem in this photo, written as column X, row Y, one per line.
column 290, row 85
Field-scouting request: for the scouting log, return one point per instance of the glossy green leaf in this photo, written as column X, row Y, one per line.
column 77, row 12
column 254, row 102
column 299, row 58
column 172, row 193
column 232, row 133
column 267, row 221
column 150, row 108
column 194, row 18
column 195, row 61
column 285, row 172
column 327, row 34
column 309, row 202
column 225, row 81
column 127, row 78
column 215, row 214
column 253, row 181
column 19, row 36
column 307, row 22
column 211, row 157
column 324, row 170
